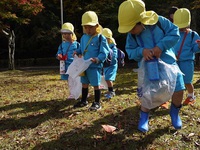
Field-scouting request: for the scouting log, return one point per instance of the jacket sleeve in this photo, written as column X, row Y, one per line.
column 59, row 50
column 104, row 49
column 171, row 34
column 115, row 54
column 195, row 46
column 134, row 51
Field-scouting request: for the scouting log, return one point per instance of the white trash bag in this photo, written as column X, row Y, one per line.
column 75, row 86
column 103, row 84
column 78, row 66
column 154, row 93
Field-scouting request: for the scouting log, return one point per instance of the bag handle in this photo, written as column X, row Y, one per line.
column 181, row 47
column 68, row 48
column 87, row 45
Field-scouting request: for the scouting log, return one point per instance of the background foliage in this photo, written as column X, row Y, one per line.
column 40, row 38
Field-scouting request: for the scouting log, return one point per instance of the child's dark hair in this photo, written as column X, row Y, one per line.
column 172, row 10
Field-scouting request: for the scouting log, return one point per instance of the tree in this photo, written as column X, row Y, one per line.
column 13, row 13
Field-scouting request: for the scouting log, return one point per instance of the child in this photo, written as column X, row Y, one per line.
column 93, row 46
column 66, row 49
column 185, row 51
column 110, row 70
column 146, row 40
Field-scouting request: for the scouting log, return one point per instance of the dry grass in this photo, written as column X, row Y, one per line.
column 34, row 114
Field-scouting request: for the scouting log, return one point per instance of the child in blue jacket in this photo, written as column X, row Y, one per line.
column 146, row 39
column 93, row 46
column 110, row 70
column 66, row 49
column 185, row 51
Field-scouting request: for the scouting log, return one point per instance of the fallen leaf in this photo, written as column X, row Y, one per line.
column 197, row 144
column 191, row 134
column 109, row 128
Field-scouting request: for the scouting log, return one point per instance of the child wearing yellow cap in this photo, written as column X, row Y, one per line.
column 185, row 50
column 66, row 49
column 146, row 39
column 110, row 70
column 93, row 46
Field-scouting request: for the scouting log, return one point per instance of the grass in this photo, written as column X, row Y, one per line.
column 34, row 114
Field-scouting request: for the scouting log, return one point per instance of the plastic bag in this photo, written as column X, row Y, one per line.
column 154, row 93
column 103, row 84
column 78, row 66
column 75, row 86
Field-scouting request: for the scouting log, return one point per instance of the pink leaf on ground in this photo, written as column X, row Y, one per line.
column 109, row 128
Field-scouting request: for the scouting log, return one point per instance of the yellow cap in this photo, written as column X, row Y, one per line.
column 68, row 28
column 133, row 11
column 108, row 34
column 182, row 18
column 90, row 18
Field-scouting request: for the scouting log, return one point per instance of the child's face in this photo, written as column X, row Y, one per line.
column 90, row 30
column 137, row 29
column 67, row 36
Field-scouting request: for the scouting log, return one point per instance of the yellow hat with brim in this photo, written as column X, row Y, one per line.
column 182, row 18
column 90, row 18
column 108, row 34
column 68, row 28
column 132, row 12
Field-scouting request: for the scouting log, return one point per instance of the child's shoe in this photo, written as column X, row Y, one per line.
column 175, row 118
column 165, row 105
column 95, row 106
column 189, row 100
column 81, row 104
column 144, row 120
column 109, row 95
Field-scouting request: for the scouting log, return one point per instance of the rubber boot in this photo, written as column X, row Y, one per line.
column 175, row 118
column 144, row 120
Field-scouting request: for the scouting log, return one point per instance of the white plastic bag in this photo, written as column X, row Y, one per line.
column 154, row 93
column 78, row 66
column 75, row 86
column 103, row 84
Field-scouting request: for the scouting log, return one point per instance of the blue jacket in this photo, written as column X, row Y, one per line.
column 190, row 47
column 114, row 54
column 165, row 39
column 97, row 48
column 65, row 49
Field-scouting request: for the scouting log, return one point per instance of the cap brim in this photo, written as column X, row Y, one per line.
column 89, row 24
column 149, row 18
column 125, row 29
column 65, row 31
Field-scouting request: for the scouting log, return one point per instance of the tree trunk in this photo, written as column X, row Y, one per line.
column 11, row 50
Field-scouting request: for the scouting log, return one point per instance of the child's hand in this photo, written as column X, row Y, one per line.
column 94, row 60
column 74, row 53
column 59, row 56
column 198, row 42
column 147, row 54
column 157, row 52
